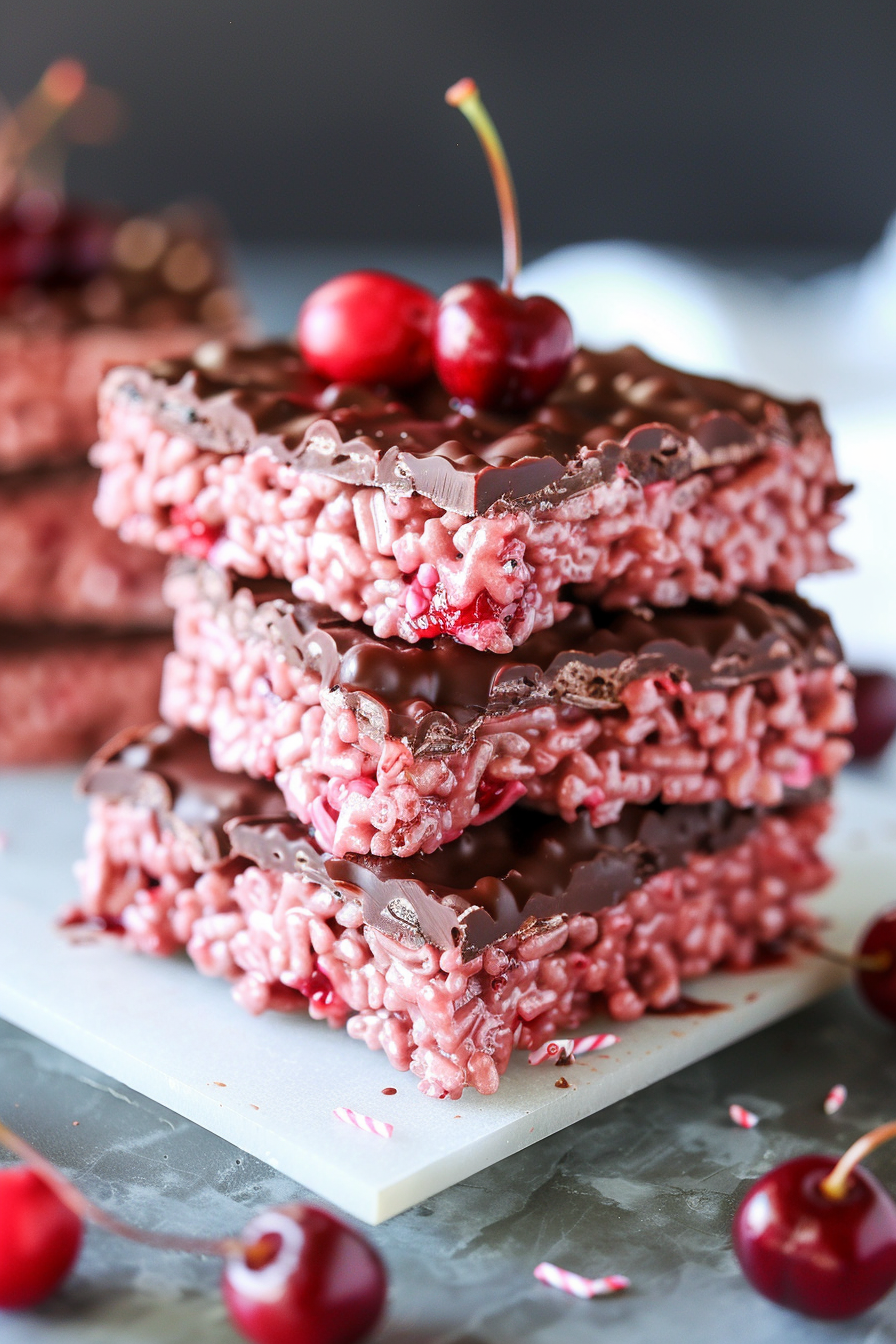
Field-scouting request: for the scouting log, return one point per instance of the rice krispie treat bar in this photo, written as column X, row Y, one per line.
column 97, row 290
column 57, row 563
column 63, row 691
column 505, row 938
column 386, row 747
column 633, row 482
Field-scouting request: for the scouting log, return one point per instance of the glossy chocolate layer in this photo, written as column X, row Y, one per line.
column 20, row 640
column 433, row 694
column 515, row 874
column 170, row 772
column 615, row 413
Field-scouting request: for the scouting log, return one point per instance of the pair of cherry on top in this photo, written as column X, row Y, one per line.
column 490, row 348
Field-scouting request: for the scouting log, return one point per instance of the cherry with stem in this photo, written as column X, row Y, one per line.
column 818, row 1234
column 493, row 349
column 874, row 962
column 296, row 1274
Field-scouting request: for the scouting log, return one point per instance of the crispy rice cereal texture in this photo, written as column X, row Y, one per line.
column 287, row 944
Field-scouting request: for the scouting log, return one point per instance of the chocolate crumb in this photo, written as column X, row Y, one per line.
column 389, row 1091
column 561, row 1082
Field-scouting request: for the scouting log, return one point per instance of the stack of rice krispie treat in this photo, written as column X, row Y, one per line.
column 492, row 703
column 478, row 721
column 83, row 628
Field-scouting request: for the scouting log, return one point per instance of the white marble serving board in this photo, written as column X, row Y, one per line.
column 270, row 1084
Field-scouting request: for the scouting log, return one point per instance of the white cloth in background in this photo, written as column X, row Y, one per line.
column 832, row 337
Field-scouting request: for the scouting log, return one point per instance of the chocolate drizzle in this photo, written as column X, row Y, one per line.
column 519, row 874
column 436, row 693
column 616, row 414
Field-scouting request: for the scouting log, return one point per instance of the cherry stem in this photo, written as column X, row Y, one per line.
column 58, row 89
column 836, row 1185
column 84, row 1208
column 465, row 96
column 870, row 961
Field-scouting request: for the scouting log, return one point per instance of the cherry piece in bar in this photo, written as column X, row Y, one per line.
column 300, row 1276
column 875, row 701
column 368, row 327
column 40, row 1238
column 493, row 349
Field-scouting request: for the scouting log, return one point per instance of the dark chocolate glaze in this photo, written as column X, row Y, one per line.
column 434, row 694
column 515, row 874
column 615, row 413
column 169, row 771
column 20, row 640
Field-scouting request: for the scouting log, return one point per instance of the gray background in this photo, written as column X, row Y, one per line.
column 689, row 121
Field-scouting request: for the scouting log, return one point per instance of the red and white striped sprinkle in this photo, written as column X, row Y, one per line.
column 579, row 1045
column 834, row 1099
column 576, row 1284
column 380, row 1127
column 741, row 1116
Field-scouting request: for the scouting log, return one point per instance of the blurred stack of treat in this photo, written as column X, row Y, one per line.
column 83, row 287
column 493, row 702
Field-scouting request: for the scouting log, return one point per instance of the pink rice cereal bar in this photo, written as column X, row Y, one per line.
column 134, row 290
column 58, row 564
column 633, row 481
column 513, row 934
column 386, row 747
column 63, row 691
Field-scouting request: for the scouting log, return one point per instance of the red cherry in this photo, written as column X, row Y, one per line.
column 39, row 1238
column 878, row 984
column 492, row 349
column 303, row 1277
column 495, row 350
column 875, row 701
column 822, row 1256
column 368, row 327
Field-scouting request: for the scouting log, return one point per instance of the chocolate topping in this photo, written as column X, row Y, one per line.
column 170, row 772
column 435, row 693
column 516, row 874
column 618, row 413
column 26, row 641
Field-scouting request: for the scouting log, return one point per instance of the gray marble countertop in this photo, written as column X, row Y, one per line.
column 646, row 1189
